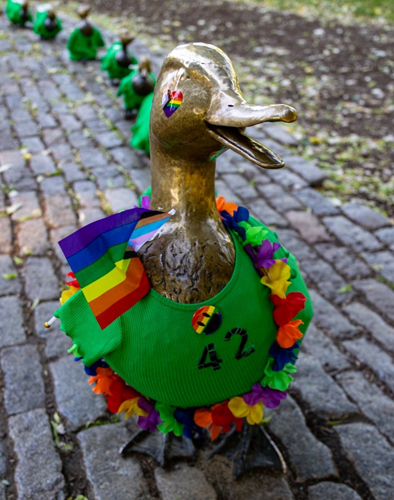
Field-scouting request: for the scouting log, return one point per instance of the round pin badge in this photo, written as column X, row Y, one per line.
column 206, row 320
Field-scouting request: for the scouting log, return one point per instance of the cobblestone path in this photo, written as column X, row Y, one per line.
column 64, row 162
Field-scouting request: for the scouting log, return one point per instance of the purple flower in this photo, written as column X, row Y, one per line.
column 282, row 356
column 231, row 221
column 145, row 202
column 270, row 398
column 151, row 421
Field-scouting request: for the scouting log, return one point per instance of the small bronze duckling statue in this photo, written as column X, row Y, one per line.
column 86, row 39
column 136, row 86
column 46, row 24
column 18, row 12
column 214, row 339
column 118, row 59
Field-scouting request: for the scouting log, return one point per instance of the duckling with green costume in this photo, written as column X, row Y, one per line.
column 46, row 24
column 18, row 12
column 215, row 315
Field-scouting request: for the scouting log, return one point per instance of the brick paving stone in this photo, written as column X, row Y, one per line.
column 266, row 214
column 19, row 178
column 58, row 234
column 11, row 332
column 92, row 157
column 224, row 190
column 42, row 164
column 310, row 458
column 110, row 177
column 314, row 200
column 32, row 237
column 125, row 156
column 292, row 241
column 113, row 114
column 286, row 178
column 96, row 126
column 183, row 482
column 40, row 280
column 53, row 185
column 57, row 342
column 53, row 136
column 331, row 491
column 377, row 294
column 278, row 197
column 72, row 172
column 256, row 487
column 111, row 476
column 308, row 226
column 347, row 264
column 86, row 192
column 364, row 215
column 386, row 235
column 3, row 459
column 141, row 177
column 34, row 145
column 79, row 140
column 382, row 262
column 46, row 121
column 69, row 122
column 2, row 492
column 74, row 396
column 58, row 211
column 320, row 391
column 371, row 401
column 372, row 322
column 7, row 141
column 8, row 286
column 20, row 115
column 11, row 157
column 26, row 129
column 351, row 235
column 30, row 206
column 371, row 455
column 85, row 112
column 323, row 349
column 62, row 152
column 109, row 140
column 32, row 437
column 280, row 134
column 243, row 188
column 121, row 199
column 328, row 281
column 371, row 355
column 24, row 386
column 88, row 215
column 5, row 235
column 306, row 169
column 330, row 319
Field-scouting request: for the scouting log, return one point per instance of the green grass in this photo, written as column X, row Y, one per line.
column 363, row 9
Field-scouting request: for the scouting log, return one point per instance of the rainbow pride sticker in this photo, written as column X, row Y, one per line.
column 172, row 99
column 206, row 320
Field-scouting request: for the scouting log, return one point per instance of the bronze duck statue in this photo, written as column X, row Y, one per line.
column 215, row 338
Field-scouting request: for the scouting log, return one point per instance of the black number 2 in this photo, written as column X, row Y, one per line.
column 214, row 362
column 244, row 338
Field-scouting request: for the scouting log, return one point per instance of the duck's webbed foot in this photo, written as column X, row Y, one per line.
column 162, row 447
column 249, row 449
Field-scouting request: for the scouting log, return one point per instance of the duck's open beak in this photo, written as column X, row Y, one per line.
column 226, row 123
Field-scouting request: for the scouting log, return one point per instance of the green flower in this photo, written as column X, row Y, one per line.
column 278, row 380
column 254, row 235
column 169, row 422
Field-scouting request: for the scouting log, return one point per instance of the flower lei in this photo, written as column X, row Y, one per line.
column 269, row 392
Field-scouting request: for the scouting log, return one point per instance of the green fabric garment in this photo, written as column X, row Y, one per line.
column 83, row 47
column 140, row 130
column 155, row 349
column 110, row 64
column 132, row 100
column 14, row 10
column 40, row 29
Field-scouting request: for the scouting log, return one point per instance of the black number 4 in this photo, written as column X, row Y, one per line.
column 244, row 338
column 214, row 362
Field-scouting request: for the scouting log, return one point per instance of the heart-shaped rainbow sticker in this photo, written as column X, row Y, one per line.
column 172, row 99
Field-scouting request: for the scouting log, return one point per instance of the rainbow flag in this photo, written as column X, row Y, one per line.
column 172, row 99
column 103, row 257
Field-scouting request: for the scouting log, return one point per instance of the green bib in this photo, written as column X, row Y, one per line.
column 156, row 349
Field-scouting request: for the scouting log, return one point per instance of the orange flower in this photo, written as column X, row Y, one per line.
column 288, row 334
column 218, row 419
column 104, row 379
column 229, row 207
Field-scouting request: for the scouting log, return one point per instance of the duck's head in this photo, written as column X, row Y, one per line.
column 83, row 11
column 198, row 109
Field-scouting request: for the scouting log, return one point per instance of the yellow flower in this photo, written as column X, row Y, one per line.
column 67, row 294
column 253, row 414
column 130, row 406
column 278, row 277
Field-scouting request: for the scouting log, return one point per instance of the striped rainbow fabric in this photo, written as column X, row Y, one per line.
column 103, row 257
